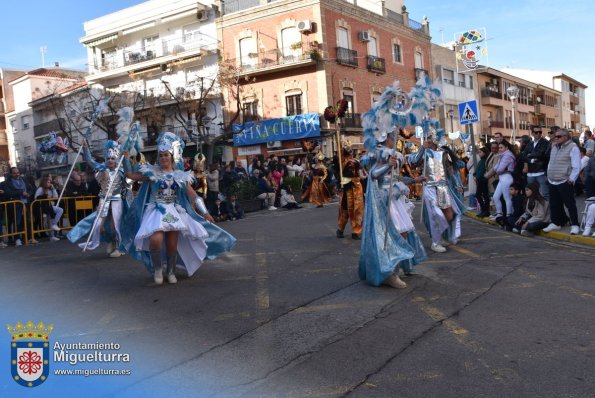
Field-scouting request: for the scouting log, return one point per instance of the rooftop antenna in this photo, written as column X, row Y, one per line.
column 43, row 50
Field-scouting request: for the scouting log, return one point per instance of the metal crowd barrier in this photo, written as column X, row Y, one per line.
column 13, row 221
column 28, row 220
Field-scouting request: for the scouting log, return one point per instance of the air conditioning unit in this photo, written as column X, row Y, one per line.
column 305, row 26
column 202, row 15
column 364, row 35
column 274, row 144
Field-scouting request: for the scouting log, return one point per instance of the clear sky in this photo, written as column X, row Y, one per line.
column 529, row 34
column 548, row 35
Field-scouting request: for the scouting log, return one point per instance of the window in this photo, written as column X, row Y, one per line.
column 470, row 81
column 248, row 54
column 250, row 111
column 461, row 79
column 397, row 53
column 508, row 119
column 192, row 33
column 26, row 122
column 348, row 95
column 419, row 60
column 448, row 76
column 13, row 125
column 343, row 37
column 291, row 42
column 293, row 104
column 373, row 47
column 108, row 57
column 150, row 44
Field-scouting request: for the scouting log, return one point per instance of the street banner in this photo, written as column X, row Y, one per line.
column 282, row 129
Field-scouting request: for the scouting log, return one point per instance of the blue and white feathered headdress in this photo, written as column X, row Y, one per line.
column 129, row 135
column 171, row 143
column 111, row 149
column 396, row 109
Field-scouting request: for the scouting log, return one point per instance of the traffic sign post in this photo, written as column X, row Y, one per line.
column 468, row 112
column 468, row 115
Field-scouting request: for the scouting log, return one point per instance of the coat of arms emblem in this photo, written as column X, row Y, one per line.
column 29, row 348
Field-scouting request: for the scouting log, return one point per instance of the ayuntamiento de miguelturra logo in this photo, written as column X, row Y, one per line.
column 30, row 353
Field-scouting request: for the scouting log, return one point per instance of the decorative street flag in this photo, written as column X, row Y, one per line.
column 471, row 50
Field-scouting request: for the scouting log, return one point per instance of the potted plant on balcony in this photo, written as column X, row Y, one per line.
column 315, row 55
column 296, row 46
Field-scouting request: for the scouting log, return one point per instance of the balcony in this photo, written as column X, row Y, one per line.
column 376, row 64
column 230, row 7
column 486, row 92
column 44, row 128
column 346, row 56
column 352, row 120
column 293, row 56
column 158, row 51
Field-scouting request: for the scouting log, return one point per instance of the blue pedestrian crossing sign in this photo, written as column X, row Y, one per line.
column 468, row 112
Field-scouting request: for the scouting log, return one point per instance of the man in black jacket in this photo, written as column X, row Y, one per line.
column 537, row 158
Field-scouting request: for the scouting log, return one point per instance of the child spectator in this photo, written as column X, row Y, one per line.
column 218, row 211
column 288, row 200
column 234, row 211
column 518, row 205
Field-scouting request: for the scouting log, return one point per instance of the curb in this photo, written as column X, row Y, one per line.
column 557, row 235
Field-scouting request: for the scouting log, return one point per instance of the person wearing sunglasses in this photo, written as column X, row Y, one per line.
column 562, row 172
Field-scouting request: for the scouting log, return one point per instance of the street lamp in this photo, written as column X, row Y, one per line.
column 513, row 92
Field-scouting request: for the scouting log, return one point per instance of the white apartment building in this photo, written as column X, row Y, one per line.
column 573, row 94
column 166, row 51
column 31, row 86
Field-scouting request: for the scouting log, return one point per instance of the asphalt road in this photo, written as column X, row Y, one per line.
column 285, row 315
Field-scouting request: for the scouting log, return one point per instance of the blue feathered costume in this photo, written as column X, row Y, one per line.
column 162, row 204
column 379, row 262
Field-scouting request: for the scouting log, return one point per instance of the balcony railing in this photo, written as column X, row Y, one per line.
column 297, row 53
column 376, row 64
column 486, row 92
column 239, row 5
column 415, row 25
column 352, row 120
column 346, row 56
column 157, row 49
column 44, row 128
column 394, row 16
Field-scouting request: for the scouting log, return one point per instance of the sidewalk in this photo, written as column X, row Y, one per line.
column 562, row 235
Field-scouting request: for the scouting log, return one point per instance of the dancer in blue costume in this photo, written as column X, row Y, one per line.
column 389, row 240
column 380, row 263
column 111, row 205
column 162, row 216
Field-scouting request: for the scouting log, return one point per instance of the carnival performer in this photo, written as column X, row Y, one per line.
column 162, row 218
column 384, row 253
column 200, row 183
column 319, row 193
column 441, row 216
column 452, row 168
column 351, row 203
column 111, row 206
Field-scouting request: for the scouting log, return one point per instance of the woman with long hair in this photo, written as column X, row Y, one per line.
column 537, row 211
column 164, row 220
column 504, row 169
